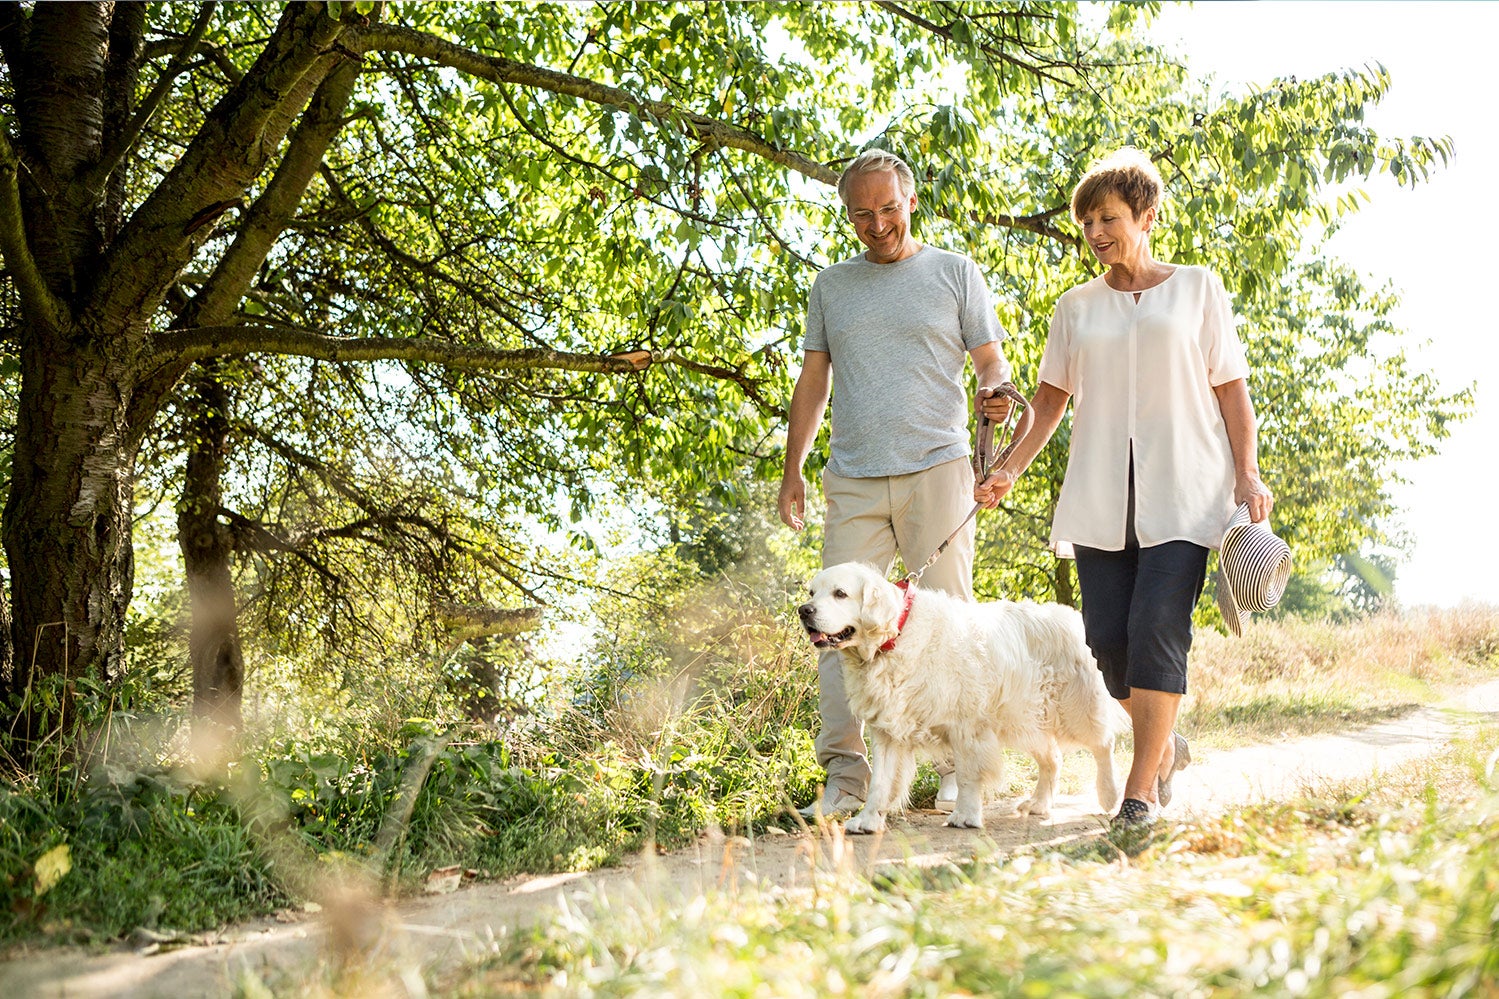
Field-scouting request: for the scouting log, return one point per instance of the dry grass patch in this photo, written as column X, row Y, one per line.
column 1292, row 677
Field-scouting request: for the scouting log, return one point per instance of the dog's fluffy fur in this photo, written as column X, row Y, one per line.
column 963, row 681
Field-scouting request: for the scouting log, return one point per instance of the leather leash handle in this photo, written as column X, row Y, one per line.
column 983, row 463
column 1020, row 429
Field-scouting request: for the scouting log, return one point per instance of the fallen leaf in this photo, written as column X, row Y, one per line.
column 51, row 866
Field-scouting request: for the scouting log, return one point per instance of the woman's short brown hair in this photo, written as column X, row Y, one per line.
column 1127, row 173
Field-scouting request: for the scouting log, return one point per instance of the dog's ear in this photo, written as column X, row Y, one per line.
column 879, row 614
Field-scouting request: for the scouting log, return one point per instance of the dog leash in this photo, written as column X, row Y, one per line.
column 1016, row 425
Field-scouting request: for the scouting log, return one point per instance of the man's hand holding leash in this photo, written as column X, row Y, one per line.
column 991, row 402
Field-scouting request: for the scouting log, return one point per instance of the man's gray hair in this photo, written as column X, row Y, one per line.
column 878, row 161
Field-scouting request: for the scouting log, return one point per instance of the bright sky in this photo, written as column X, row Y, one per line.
column 1433, row 242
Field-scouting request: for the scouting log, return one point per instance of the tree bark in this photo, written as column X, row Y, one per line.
column 68, row 518
column 67, row 60
column 1062, row 584
column 7, row 659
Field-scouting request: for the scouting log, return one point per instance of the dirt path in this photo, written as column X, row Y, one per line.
column 437, row 930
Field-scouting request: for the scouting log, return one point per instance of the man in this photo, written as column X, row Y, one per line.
column 891, row 327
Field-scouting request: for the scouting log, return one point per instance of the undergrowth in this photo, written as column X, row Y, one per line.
column 656, row 740
column 656, row 735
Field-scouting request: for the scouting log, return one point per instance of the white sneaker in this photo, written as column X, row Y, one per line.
column 947, row 793
column 836, row 803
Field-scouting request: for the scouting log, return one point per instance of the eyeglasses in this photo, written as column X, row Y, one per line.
column 864, row 216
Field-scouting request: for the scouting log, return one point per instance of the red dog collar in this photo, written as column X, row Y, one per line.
column 905, row 612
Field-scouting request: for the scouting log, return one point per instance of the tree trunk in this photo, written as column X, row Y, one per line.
column 1061, row 582
column 207, row 550
column 62, row 123
column 208, row 546
column 90, row 283
column 67, row 526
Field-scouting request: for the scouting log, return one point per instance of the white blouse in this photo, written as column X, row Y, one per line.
column 1141, row 376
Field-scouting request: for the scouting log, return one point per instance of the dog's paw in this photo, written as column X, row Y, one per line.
column 1035, row 809
column 960, row 819
column 870, row 822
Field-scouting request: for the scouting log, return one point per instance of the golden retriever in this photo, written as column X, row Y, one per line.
column 961, row 680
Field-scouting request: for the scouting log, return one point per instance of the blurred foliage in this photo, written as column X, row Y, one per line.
column 691, row 708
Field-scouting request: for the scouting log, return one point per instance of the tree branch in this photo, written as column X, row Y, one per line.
column 238, row 137
column 14, row 30
column 31, row 286
column 260, row 338
column 750, row 386
column 125, row 140
column 351, row 492
column 263, row 223
column 945, row 31
column 426, row 268
column 469, row 621
column 1039, row 223
column 252, row 536
column 269, row 213
column 497, row 69
column 212, row 53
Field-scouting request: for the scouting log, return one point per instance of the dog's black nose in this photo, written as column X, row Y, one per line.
column 805, row 611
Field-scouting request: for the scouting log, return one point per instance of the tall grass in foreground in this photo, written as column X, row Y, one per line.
column 376, row 770
column 1388, row 891
column 375, row 775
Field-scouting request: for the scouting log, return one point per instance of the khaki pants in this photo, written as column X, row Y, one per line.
column 870, row 520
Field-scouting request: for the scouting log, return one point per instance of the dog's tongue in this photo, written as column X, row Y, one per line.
column 817, row 638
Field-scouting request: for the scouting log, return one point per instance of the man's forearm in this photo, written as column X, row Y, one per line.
column 989, row 365
column 995, row 373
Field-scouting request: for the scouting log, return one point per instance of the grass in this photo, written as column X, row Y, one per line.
column 668, row 742
column 660, row 737
column 1387, row 890
column 1291, row 677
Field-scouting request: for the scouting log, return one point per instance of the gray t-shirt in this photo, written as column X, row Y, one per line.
column 898, row 335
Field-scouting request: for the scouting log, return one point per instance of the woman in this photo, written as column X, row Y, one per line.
column 1163, row 448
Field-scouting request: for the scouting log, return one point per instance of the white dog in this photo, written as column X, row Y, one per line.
column 928, row 672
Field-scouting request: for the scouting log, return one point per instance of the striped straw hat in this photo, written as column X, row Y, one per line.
column 1253, row 568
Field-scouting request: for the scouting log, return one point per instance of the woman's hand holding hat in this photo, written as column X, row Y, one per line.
column 1249, row 489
